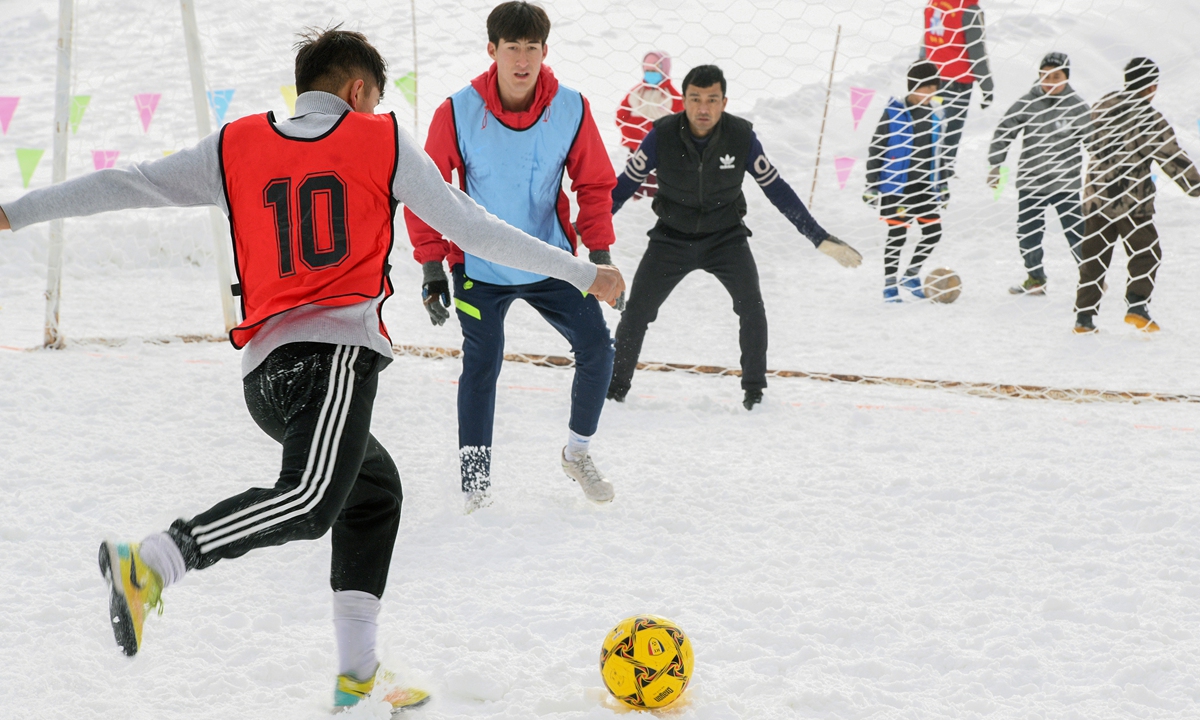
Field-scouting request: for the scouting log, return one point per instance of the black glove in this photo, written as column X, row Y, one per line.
column 436, row 287
column 604, row 257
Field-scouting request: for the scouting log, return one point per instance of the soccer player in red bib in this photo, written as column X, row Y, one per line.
column 311, row 204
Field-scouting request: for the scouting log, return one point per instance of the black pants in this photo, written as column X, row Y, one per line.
column 957, row 100
column 1141, row 245
column 669, row 258
column 315, row 399
column 1031, row 226
column 900, row 212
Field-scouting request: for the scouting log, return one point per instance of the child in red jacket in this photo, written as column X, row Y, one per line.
column 652, row 98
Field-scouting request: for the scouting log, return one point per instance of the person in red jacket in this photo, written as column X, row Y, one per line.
column 511, row 135
column 954, row 41
column 653, row 98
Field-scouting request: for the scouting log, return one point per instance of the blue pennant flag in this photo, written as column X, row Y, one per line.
column 218, row 100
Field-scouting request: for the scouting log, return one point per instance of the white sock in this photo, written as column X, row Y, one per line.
column 577, row 446
column 161, row 554
column 354, row 616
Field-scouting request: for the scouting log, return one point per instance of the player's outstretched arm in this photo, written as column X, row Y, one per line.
column 422, row 189
column 4, row 220
column 785, row 200
column 188, row 178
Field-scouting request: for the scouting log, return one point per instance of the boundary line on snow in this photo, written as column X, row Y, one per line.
column 978, row 389
column 992, row 390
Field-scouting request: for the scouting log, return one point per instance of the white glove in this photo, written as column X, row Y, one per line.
column 840, row 251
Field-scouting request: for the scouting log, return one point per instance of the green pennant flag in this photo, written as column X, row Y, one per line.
column 999, row 190
column 28, row 159
column 408, row 87
column 79, row 103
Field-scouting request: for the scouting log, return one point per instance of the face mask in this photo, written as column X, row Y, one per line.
column 653, row 78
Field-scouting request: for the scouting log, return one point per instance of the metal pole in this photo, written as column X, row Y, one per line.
column 821, row 138
column 220, row 234
column 416, row 70
column 52, row 336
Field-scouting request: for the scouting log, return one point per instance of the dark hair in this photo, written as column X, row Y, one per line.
column 1056, row 61
column 518, row 20
column 922, row 73
column 326, row 59
column 1140, row 74
column 703, row 76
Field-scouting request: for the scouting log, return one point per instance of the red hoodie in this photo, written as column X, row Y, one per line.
column 590, row 170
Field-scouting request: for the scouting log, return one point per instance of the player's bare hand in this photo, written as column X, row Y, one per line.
column 840, row 251
column 608, row 285
column 4, row 221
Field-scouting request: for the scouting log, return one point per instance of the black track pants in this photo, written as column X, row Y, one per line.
column 315, row 399
column 667, row 261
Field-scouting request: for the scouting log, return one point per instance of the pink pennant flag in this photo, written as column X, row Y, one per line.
column 104, row 159
column 8, row 106
column 843, row 165
column 860, row 100
column 147, row 103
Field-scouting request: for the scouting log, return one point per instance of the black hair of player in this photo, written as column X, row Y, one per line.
column 703, row 76
column 516, row 21
column 327, row 59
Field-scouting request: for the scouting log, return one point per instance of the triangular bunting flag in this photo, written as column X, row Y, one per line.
column 147, row 103
column 79, row 104
column 104, row 159
column 167, row 152
column 8, row 106
column 860, row 100
column 408, row 87
column 289, row 97
column 28, row 160
column 843, row 165
column 996, row 193
column 219, row 101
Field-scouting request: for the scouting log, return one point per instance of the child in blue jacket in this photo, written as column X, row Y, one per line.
column 905, row 178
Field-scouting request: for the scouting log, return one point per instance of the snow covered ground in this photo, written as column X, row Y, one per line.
column 845, row 552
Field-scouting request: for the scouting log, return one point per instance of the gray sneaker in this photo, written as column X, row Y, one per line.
column 584, row 472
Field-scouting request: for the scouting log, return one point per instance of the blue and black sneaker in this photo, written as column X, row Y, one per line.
column 912, row 283
column 891, row 294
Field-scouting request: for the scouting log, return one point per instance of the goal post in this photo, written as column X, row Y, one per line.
column 220, row 234
column 62, row 116
column 53, row 336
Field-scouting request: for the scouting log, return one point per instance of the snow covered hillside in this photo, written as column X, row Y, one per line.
column 846, row 552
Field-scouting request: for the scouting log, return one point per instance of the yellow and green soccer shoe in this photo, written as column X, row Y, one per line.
column 134, row 589
column 349, row 692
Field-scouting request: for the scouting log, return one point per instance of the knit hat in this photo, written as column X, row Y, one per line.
column 1056, row 61
column 923, row 73
column 656, row 60
column 1140, row 74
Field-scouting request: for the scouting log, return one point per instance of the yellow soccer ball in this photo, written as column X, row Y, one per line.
column 646, row 662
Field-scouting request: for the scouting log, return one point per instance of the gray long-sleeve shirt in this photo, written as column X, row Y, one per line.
column 1055, row 128
column 192, row 177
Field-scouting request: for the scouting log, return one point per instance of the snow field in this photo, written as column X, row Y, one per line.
column 845, row 553
column 842, row 552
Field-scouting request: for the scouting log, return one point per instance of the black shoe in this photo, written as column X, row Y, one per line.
column 615, row 393
column 753, row 397
column 1083, row 324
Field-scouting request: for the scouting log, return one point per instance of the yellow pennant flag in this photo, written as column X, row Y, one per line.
column 289, row 97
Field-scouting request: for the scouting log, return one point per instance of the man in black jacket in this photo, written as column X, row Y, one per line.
column 701, row 155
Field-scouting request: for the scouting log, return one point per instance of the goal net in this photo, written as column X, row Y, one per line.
column 812, row 77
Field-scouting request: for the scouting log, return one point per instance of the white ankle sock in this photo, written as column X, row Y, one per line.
column 354, row 622
column 161, row 554
column 577, row 446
